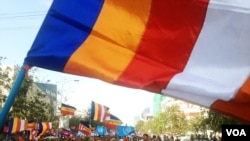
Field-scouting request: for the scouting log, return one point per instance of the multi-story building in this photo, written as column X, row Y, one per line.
column 50, row 90
column 157, row 103
column 188, row 109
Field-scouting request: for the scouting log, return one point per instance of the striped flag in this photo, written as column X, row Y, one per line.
column 32, row 130
column 67, row 109
column 44, row 127
column 98, row 111
column 16, row 125
column 196, row 51
column 84, row 128
column 112, row 122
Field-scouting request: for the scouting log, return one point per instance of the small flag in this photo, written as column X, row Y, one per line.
column 16, row 125
column 101, row 130
column 84, row 129
column 98, row 111
column 125, row 130
column 43, row 127
column 67, row 109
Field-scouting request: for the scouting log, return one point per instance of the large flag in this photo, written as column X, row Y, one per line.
column 16, row 125
column 98, row 112
column 196, row 51
column 67, row 109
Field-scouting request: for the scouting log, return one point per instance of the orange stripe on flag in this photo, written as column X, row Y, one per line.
column 105, row 46
column 238, row 106
column 177, row 36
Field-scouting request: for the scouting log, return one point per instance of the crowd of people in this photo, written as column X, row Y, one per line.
column 143, row 137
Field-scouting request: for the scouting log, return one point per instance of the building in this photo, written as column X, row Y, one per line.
column 157, row 103
column 50, row 90
column 187, row 108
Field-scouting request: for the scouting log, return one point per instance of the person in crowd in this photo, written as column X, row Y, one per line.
column 166, row 138
column 145, row 137
column 154, row 138
column 171, row 138
column 177, row 139
column 158, row 138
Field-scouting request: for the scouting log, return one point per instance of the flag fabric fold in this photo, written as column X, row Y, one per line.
column 197, row 51
column 67, row 109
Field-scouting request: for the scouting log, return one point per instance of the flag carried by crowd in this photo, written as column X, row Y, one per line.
column 67, row 109
column 16, row 125
column 182, row 49
column 98, row 112
column 32, row 129
column 84, row 127
column 124, row 131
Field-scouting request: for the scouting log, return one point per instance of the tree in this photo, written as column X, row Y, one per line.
column 176, row 120
column 25, row 106
column 216, row 119
column 195, row 123
column 139, row 125
column 171, row 120
column 5, row 84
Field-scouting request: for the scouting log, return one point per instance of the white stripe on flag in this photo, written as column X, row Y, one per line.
column 102, row 113
column 220, row 62
column 23, row 125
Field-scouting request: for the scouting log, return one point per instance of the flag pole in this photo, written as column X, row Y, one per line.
column 11, row 98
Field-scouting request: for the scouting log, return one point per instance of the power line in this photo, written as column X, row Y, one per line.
column 11, row 16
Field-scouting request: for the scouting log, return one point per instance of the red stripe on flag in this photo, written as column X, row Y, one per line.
column 18, row 125
column 174, row 32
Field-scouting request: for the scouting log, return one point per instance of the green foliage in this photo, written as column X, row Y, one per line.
column 5, row 83
column 139, row 125
column 171, row 120
column 28, row 104
column 196, row 123
column 216, row 119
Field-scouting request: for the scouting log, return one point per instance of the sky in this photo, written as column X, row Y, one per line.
column 20, row 21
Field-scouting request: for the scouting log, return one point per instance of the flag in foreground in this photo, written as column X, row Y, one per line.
column 196, row 51
column 67, row 109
